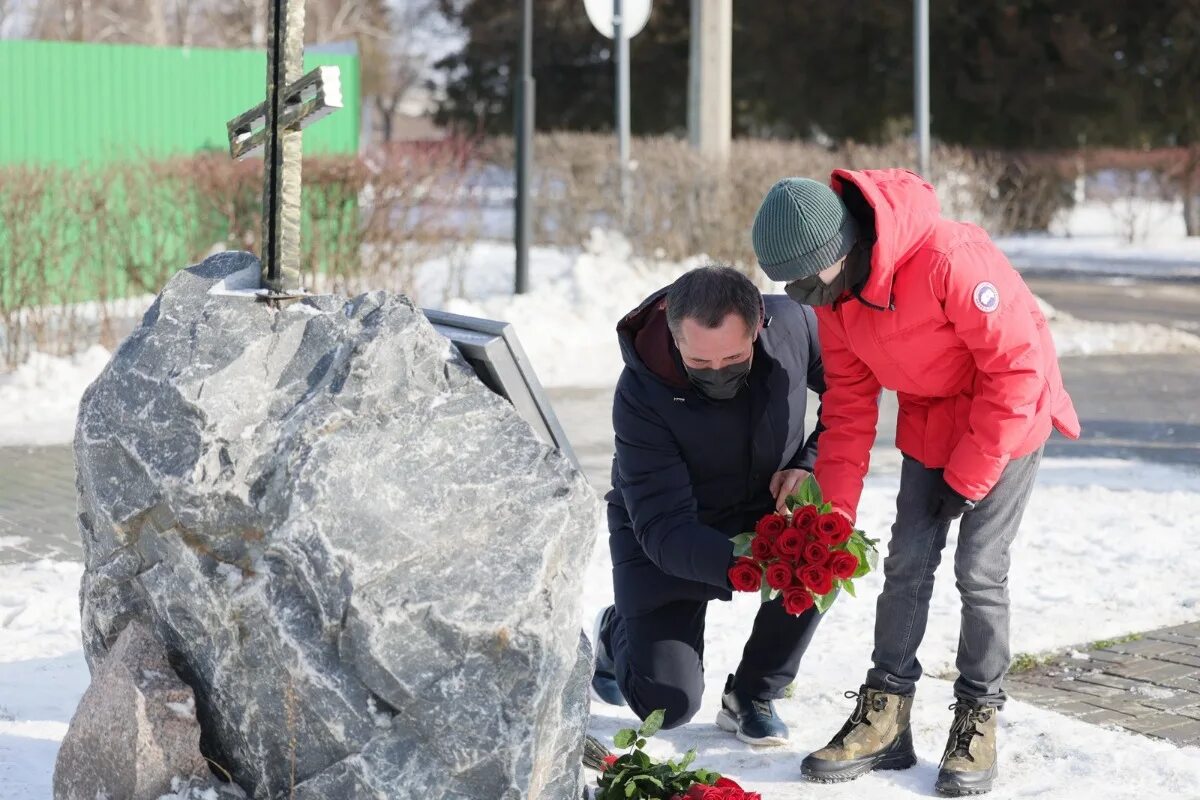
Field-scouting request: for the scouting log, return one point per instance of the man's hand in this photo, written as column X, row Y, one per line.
column 783, row 483
column 945, row 504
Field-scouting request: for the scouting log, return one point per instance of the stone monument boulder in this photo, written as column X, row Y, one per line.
column 364, row 562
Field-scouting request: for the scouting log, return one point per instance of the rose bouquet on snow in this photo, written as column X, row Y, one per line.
column 634, row 775
column 806, row 555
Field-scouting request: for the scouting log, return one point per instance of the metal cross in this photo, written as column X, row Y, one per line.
column 293, row 103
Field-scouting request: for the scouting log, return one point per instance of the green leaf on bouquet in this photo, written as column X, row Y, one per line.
column 640, row 743
column 688, row 758
column 631, row 789
column 872, row 558
column 864, row 553
column 765, row 590
column 808, row 493
column 824, row 601
column 790, row 503
column 650, row 779
column 741, row 544
column 653, row 724
column 625, row 738
column 848, row 586
column 826, row 508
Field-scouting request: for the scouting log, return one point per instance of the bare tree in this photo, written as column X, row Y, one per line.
column 391, row 75
column 8, row 18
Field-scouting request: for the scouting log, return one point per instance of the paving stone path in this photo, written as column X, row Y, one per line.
column 1150, row 685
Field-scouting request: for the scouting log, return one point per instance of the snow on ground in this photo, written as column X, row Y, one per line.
column 1120, row 237
column 1106, row 549
column 1081, row 337
column 40, row 399
column 567, row 322
column 42, row 672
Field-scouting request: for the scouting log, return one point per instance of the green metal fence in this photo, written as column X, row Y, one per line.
column 70, row 103
column 87, row 211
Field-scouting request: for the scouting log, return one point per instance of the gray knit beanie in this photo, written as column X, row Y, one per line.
column 801, row 228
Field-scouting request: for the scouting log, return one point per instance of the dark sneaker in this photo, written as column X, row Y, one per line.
column 753, row 720
column 604, row 669
column 969, row 764
column 877, row 736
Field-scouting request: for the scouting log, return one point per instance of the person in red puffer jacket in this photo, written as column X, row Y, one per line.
column 928, row 307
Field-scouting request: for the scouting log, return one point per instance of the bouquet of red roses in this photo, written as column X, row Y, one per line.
column 806, row 556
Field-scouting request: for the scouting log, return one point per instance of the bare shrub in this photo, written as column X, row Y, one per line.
column 682, row 205
column 74, row 242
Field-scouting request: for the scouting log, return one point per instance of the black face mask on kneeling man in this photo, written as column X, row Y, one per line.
column 723, row 383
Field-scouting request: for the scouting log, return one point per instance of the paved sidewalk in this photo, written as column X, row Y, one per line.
column 37, row 504
column 1150, row 685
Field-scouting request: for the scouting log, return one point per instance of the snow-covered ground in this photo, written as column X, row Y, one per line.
column 1106, row 549
column 1120, row 237
column 565, row 323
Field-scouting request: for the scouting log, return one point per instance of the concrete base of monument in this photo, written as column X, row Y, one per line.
column 362, row 560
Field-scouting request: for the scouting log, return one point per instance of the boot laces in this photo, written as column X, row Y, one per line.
column 967, row 719
column 763, row 707
column 866, row 703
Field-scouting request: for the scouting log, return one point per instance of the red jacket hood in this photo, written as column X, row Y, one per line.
column 906, row 210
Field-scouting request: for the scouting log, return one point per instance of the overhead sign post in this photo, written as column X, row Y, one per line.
column 620, row 20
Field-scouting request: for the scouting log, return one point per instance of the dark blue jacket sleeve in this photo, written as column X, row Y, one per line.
column 806, row 456
column 657, row 491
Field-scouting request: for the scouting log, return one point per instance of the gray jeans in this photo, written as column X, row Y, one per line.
column 981, row 565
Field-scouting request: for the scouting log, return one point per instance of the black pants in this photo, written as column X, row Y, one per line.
column 660, row 656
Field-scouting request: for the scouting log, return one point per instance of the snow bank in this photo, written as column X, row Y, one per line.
column 1078, row 337
column 567, row 322
column 40, row 399
column 1123, row 237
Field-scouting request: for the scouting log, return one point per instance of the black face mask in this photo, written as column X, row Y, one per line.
column 723, row 383
column 812, row 291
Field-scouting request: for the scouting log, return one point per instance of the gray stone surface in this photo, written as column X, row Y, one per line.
column 364, row 562
column 1146, row 685
column 135, row 728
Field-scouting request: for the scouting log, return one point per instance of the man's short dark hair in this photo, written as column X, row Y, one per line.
column 707, row 295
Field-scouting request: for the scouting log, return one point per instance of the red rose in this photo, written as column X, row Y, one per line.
column 770, row 526
column 779, row 575
column 723, row 789
column 834, row 529
column 745, row 575
column 804, row 518
column 815, row 554
column 762, row 548
column 609, row 760
column 790, row 543
column 817, row 578
column 796, row 601
column 843, row 564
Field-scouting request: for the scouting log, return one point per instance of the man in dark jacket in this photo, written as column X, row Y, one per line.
column 709, row 421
